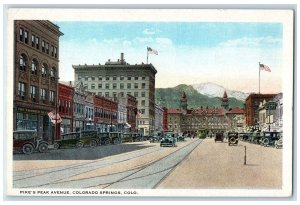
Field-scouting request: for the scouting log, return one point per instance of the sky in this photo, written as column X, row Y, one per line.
column 188, row 52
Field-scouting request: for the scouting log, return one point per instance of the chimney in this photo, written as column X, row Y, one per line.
column 122, row 57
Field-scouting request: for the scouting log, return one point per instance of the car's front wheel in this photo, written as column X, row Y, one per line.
column 43, row 147
column 79, row 144
column 27, row 149
column 93, row 143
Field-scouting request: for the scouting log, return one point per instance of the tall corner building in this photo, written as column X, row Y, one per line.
column 119, row 78
column 36, row 71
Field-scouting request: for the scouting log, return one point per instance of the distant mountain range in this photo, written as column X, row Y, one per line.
column 215, row 90
column 170, row 97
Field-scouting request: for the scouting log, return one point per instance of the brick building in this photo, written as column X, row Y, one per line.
column 36, row 69
column 105, row 114
column 252, row 107
column 65, row 107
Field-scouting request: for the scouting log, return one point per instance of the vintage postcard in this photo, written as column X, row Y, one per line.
column 149, row 102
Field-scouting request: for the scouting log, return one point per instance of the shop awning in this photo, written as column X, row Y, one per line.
column 54, row 118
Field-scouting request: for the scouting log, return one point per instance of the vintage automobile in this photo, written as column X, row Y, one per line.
column 78, row 139
column 137, row 137
column 115, row 137
column 26, row 141
column 156, row 137
column 244, row 136
column 126, row 137
column 269, row 138
column 279, row 143
column 233, row 138
column 256, row 137
column 169, row 140
column 219, row 136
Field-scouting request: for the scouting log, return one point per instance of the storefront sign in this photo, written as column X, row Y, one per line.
column 40, row 112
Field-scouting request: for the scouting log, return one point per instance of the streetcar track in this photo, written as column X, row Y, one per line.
column 120, row 180
column 78, row 166
column 139, row 167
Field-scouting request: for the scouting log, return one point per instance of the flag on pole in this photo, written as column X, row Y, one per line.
column 264, row 67
column 152, row 51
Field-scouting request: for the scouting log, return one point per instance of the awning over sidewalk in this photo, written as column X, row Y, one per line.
column 54, row 118
column 127, row 125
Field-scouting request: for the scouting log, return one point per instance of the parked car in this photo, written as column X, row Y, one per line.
column 269, row 138
column 233, row 138
column 78, row 139
column 137, row 137
column 156, row 137
column 245, row 136
column 168, row 140
column 26, row 141
column 256, row 137
column 279, row 143
column 104, row 138
column 127, row 137
column 219, row 136
column 115, row 137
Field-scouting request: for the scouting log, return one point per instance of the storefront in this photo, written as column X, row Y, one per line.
column 30, row 119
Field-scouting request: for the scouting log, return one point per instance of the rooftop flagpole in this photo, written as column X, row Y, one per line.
column 258, row 77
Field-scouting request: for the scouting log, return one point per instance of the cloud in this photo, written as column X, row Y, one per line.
column 252, row 42
column 148, row 31
column 164, row 41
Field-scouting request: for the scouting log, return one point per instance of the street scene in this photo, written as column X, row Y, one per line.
column 147, row 105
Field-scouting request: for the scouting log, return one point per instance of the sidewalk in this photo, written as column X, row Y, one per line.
column 217, row 165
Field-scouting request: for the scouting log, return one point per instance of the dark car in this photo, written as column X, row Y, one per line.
column 115, row 137
column 256, row 137
column 26, row 141
column 127, row 137
column 245, row 136
column 233, row 138
column 219, row 137
column 78, row 139
column 156, row 137
column 169, row 140
column 269, row 138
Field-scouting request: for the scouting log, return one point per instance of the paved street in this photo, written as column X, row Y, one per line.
column 192, row 164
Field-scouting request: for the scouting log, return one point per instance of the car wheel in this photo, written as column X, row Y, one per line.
column 106, row 142
column 27, row 149
column 56, row 145
column 93, row 143
column 43, row 147
column 232, row 140
column 266, row 142
column 79, row 145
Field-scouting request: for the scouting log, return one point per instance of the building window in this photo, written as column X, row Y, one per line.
column 47, row 48
column 43, row 46
column 106, row 85
column 107, row 78
column 22, row 62
column 52, row 96
column 122, row 78
column 122, row 94
column 136, row 78
column 143, row 85
column 128, row 93
column 55, row 52
column 21, row 34
column 86, row 78
column 26, row 121
column 143, row 78
column 37, row 45
column 114, row 77
column 114, row 94
column 121, row 85
column 79, row 77
column 26, row 36
column 136, row 94
column 43, row 94
column 106, row 94
column 136, row 85
column 32, row 40
column 142, row 111
column 143, row 102
column 93, row 86
column 21, row 89
column 128, row 85
column 52, row 51
column 100, row 93
column 34, row 65
column 143, row 94
column 93, row 77
column 53, row 73
column 44, row 70
column 85, row 86
column 114, row 85
column 128, row 78
column 100, row 86
column 100, row 77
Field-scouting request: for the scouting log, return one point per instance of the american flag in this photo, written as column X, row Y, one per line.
column 152, row 51
column 264, row 67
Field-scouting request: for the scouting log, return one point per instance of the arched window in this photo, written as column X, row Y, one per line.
column 22, row 62
column 34, row 66
column 44, row 70
column 53, row 73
